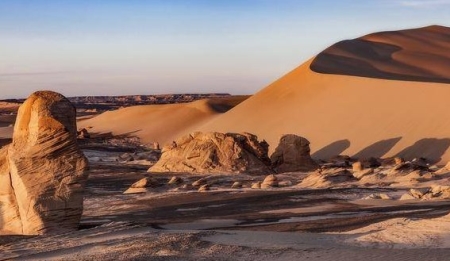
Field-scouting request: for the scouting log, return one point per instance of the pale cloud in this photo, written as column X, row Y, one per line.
column 424, row 3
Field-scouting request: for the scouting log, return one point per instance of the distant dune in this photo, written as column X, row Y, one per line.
column 360, row 116
column 410, row 55
column 161, row 123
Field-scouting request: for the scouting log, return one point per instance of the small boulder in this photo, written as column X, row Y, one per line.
column 199, row 182
column 236, row 184
column 419, row 192
column 357, row 166
column 270, row 181
column 407, row 196
column 204, row 188
column 175, row 181
column 142, row 185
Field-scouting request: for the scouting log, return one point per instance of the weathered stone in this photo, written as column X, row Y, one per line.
column 236, row 184
column 175, row 181
column 204, row 188
column 214, row 152
column 270, row 181
column 292, row 154
column 407, row 196
column 419, row 192
column 328, row 178
column 45, row 169
column 199, row 182
column 357, row 166
column 146, row 182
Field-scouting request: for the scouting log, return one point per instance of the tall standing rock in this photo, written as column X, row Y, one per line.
column 292, row 154
column 45, row 168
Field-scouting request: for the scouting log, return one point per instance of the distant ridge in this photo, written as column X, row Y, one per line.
column 421, row 54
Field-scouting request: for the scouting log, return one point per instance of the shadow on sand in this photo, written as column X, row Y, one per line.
column 331, row 150
column 378, row 149
column 431, row 148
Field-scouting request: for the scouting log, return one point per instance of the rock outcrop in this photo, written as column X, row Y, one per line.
column 292, row 154
column 329, row 178
column 42, row 172
column 215, row 152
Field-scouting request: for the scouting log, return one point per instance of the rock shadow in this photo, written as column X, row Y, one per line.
column 378, row 149
column 331, row 150
column 4, row 142
column 431, row 149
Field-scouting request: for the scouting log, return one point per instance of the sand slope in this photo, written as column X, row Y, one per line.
column 357, row 116
column 161, row 123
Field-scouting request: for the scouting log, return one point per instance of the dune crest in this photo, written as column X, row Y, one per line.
column 409, row 55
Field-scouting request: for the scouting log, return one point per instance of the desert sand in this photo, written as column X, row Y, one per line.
column 160, row 123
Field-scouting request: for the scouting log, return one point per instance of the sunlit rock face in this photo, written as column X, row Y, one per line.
column 215, row 152
column 42, row 172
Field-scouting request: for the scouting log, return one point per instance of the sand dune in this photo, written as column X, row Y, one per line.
column 342, row 114
column 161, row 123
column 411, row 55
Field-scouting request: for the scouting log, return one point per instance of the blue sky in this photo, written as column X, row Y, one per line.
column 100, row 47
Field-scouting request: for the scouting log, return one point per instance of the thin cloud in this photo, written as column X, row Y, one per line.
column 424, row 3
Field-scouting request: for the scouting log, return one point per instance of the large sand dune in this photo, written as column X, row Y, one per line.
column 160, row 123
column 360, row 116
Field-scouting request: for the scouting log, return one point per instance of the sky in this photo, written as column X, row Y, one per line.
column 112, row 47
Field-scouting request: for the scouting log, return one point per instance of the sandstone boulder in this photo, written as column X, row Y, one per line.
column 270, row 181
column 175, row 181
column 215, row 152
column 357, row 166
column 237, row 184
column 42, row 172
column 292, row 154
column 142, row 185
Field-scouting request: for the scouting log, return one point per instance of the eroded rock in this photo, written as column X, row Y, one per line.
column 292, row 154
column 43, row 172
column 215, row 152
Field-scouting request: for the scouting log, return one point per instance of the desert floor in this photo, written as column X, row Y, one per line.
column 171, row 222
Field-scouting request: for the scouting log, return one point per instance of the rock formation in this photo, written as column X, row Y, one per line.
column 292, row 154
column 328, row 178
column 215, row 152
column 42, row 172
